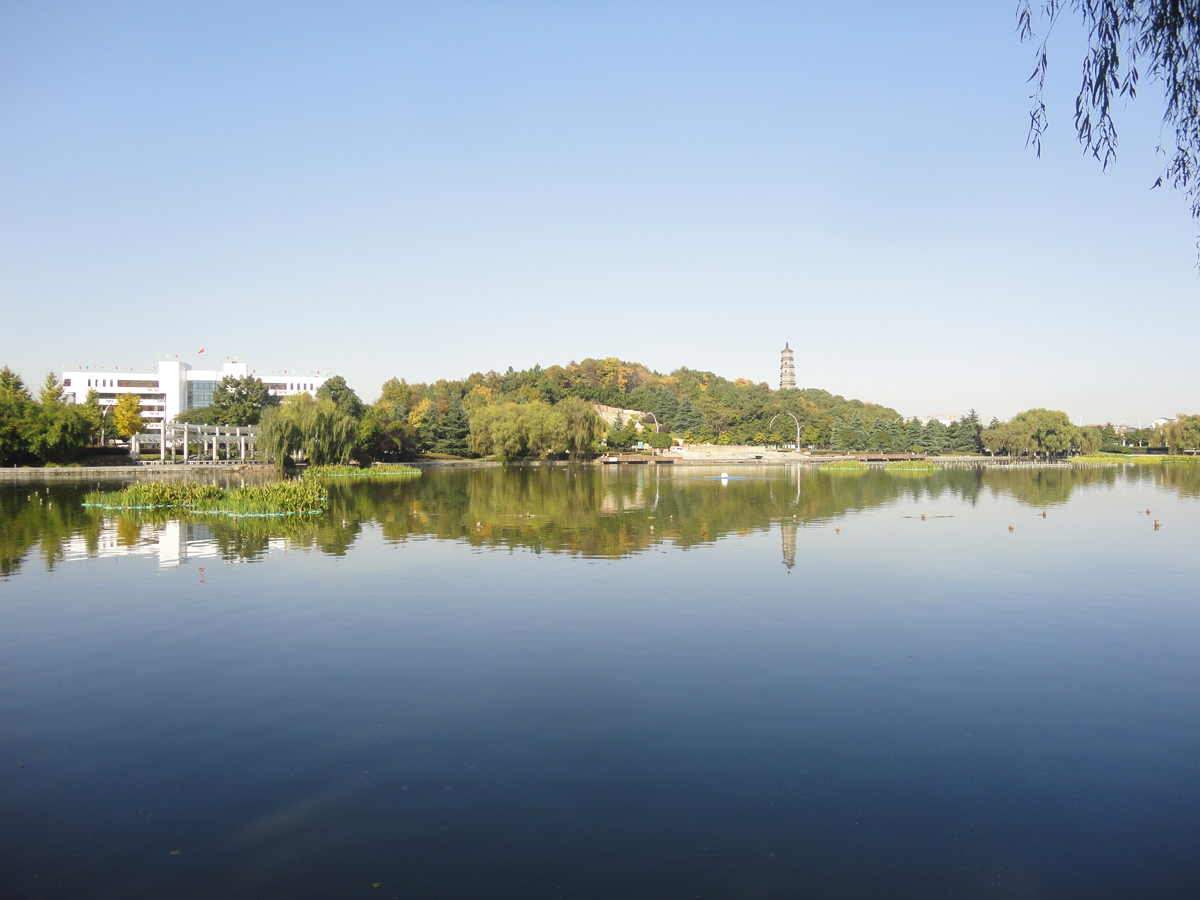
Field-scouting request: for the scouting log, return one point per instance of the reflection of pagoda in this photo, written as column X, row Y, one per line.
column 787, row 369
column 789, row 529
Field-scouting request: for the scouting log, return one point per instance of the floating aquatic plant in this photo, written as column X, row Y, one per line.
column 273, row 499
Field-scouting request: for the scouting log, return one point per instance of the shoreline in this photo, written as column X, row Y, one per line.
column 684, row 460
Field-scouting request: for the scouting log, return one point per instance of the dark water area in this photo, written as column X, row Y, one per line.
column 583, row 682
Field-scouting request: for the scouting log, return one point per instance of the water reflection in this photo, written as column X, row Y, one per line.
column 586, row 511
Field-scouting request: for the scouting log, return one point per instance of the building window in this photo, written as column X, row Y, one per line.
column 137, row 384
column 200, row 393
column 66, row 382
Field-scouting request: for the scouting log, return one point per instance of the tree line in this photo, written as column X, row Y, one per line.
column 540, row 413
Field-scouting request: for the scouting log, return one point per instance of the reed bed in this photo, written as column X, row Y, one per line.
column 910, row 465
column 1117, row 459
column 278, row 498
column 360, row 471
column 844, row 465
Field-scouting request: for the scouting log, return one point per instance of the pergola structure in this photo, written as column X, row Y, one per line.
column 212, row 439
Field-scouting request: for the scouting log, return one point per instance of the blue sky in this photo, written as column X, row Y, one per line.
column 427, row 190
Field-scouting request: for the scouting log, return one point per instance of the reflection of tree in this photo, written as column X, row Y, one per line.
column 32, row 516
column 581, row 510
column 1184, row 477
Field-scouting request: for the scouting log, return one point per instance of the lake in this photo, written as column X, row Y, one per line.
column 580, row 682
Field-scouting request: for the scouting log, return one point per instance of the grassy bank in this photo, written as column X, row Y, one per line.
column 278, row 498
column 844, row 465
column 360, row 471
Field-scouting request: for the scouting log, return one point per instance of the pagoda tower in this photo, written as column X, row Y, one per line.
column 787, row 369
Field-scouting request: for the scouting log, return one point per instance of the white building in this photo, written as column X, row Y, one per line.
column 175, row 387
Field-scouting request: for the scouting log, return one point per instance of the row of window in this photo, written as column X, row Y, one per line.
column 116, row 382
column 290, row 386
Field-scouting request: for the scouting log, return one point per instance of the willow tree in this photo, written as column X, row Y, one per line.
column 1129, row 41
column 318, row 429
column 1182, row 435
column 583, row 427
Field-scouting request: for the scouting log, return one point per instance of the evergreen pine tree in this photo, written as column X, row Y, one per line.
column 966, row 440
column 858, row 432
column 666, row 405
column 432, row 429
column 894, row 433
column 935, row 436
column 842, row 438
column 687, row 418
column 914, row 435
column 878, row 437
column 456, row 427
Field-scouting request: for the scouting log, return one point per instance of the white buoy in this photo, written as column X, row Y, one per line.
column 724, row 474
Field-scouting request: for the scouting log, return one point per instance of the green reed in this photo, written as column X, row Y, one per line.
column 273, row 499
column 360, row 471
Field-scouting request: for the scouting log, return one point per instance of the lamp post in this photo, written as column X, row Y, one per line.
column 656, row 424
column 776, row 416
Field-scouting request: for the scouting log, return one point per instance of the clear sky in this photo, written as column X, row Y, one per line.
column 427, row 190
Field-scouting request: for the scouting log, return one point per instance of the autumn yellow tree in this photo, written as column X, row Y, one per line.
column 127, row 415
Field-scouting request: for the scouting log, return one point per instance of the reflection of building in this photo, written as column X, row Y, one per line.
column 175, row 387
column 790, row 531
column 618, row 499
column 172, row 542
column 787, row 368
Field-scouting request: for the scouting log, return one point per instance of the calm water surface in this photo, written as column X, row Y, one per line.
column 590, row 683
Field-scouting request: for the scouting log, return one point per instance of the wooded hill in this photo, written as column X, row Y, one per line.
column 695, row 405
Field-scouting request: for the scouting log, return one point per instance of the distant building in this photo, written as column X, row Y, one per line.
column 787, row 369
column 175, row 387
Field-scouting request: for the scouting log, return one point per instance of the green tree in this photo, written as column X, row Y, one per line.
column 241, row 401
column 934, row 438
column 1182, row 435
column 1034, row 431
column 914, row 436
column 127, row 415
column 687, row 417
column 302, row 424
column 95, row 413
column 621, row 435
column 433, row 429
column 55, row 431
column 583, row 427
column 660, row 440
column 200, row 415
column 666, row 406
column 879, row 438
column 343, row 395
column 455, row 431
column 966, row 436
column 15, row 407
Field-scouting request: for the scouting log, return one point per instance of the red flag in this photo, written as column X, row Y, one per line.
column 201, row 351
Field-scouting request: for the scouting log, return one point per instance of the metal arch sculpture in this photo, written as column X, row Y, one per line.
column 777, row 415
